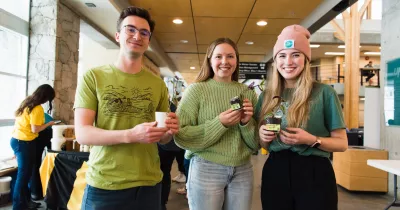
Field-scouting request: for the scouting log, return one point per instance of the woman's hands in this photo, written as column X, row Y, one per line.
column 296, row 136
column 265, row 135
column 247, row 112
column 232, row 117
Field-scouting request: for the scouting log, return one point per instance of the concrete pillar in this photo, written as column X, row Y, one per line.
column 390, row 136
column 53, row 59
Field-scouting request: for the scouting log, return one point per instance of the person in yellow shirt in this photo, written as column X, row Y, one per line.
column 29, row 122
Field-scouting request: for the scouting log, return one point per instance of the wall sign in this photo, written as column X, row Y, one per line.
column 392, row 93
column 252, row 70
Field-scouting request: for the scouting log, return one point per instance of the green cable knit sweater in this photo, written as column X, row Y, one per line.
column 201, row 132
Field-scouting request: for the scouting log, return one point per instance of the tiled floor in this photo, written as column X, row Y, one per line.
column 347, row 200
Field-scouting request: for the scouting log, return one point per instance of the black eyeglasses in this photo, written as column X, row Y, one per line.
column 132, row 30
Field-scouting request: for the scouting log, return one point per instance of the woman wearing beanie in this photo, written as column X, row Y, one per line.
column 219, row 139
column 298, row 173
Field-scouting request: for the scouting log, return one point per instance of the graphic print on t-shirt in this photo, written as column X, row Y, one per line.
column 131, row 102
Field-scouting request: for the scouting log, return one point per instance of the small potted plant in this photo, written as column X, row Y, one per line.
column 273, row 122
column 236, row 103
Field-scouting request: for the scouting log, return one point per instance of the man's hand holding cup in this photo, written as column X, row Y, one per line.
column 168, row 120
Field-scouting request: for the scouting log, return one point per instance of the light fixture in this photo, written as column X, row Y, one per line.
column 372, row 53
column 192, row 67
column 334, row 53
column 184, row 41
column 314, row 45
column 90, row 5
column 262, row 23
column 177, row 21
column 249, row 42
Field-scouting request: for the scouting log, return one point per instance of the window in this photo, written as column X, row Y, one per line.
column 13, row 57
column 19, row 8
column 14, row 32
column 5, row 137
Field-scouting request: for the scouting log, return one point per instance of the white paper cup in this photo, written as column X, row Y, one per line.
column 57, row 143
column 86, row 148
column 160, row 118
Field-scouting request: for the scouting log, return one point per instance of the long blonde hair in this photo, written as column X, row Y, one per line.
column 206, row 70
column 297, row 114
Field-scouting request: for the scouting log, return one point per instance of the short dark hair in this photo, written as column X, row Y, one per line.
column 135, row 11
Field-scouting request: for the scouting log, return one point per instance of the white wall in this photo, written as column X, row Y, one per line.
column 92, row 54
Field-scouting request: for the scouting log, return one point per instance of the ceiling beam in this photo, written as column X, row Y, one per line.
column 339, row 31
column 338, row 36
column 363, row 8
column 324, row 13
column 369, row 11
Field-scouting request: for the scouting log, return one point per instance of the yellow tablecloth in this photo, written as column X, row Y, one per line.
column 55, row 168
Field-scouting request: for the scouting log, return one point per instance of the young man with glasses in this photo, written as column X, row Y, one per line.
column 115, row 107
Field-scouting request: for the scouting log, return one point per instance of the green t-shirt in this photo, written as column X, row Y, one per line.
column 122, row 101
column 325, row 116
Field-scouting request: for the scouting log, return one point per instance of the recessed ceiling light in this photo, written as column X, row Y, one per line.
column 262, row 23
column 372, row 53
column 177, row 21
column 249, row 42
column 334, row 53
column 184, row 41
column 314, row 45
column 192, row 67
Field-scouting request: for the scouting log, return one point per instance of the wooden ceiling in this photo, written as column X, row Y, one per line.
column 206, row 20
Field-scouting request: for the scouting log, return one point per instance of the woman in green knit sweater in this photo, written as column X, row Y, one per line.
column 219, row 140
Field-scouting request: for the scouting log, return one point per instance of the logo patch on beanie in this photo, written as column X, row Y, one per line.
column 289, row 43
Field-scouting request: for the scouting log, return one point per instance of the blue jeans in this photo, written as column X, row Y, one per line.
column 214, row 187
column 25, row 152
column 186, row 165
column 136, row 198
